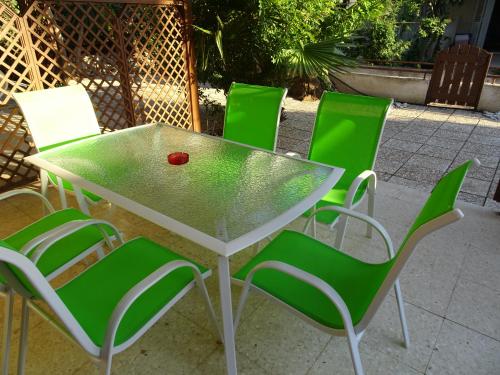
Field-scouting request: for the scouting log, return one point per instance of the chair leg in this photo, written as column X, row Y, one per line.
column 7, row 330
column 371, row 212
column 355, row 357
column 402, row 315
column 105, row 365
column 23, row 337
column 341, row 227
column 62, row 193
column 314, row 227
column 241, row 305
column 203, row 289
column 44, row 184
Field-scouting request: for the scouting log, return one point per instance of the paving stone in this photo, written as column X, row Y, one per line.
column 387, row 166
column 382, row 176
column 488, row 122
column 411, row 137
column 419, row 185
column 490, row 203
column 395, row 126
column 393, row 154
column 446, row 143
column 450, row 134
column 389, row 132
column 478, row 148
column 493, row 187
column 487, row 131
column 437, row 151
column 471, row 198
column 403, row 145
column 294, row 133
column 486, row 161
column 466, row 120
column 485, row 139
column 475, row 186
column 463, row 128
column 415, row 129
column 430, row 162
column 480, row 173
column 424, row 123
column 419, row 173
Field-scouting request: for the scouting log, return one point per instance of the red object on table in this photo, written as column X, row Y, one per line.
column 178, row 158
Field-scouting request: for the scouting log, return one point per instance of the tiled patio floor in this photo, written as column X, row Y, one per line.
column 451, row 287
column 418, row 145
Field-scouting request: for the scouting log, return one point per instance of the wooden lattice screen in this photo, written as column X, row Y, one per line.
column 133, row 57
column 458, row 76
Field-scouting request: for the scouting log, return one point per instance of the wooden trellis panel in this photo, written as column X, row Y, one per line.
column 133, row 57
column 458, row 76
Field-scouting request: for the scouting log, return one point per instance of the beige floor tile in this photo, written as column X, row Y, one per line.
column 431, row 273
column 279, row 342
column 477, row 307
column 384, row 334
column 460, row 351
column 336, row 359
column 482, row 266
column 216, row 365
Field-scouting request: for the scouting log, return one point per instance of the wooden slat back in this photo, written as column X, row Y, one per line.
column 458, row 76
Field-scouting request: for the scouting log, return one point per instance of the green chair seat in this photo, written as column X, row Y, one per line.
column 357, row 282
column 93, row 295
column 65, row 249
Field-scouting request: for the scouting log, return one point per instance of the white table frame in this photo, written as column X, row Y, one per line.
column 223, row 249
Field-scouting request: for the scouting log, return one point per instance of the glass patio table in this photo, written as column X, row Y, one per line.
column 226, row 198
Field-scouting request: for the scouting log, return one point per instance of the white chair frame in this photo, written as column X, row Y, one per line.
column 68, row 324
column 354, row 333
column 7, row 291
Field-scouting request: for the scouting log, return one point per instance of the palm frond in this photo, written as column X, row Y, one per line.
column 315, row 59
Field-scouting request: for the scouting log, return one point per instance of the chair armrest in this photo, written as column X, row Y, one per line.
column 372, row 185
column 308, row 278
column 45, row 240
column 357, row 215
column 138, row 290
column 44, row 200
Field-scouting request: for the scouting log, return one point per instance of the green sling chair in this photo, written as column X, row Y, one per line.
column 253, row 115
column 56, row 117
column 347, row 134
column 56, row 260
column 332, row 290
column 111, row 304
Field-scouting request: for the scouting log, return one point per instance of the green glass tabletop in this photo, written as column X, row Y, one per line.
column 228, row 196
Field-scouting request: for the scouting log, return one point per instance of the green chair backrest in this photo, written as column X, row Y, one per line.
column 253, row 115
column 347, row 132
column 442, row 199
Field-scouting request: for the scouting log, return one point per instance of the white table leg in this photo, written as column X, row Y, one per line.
column 227, row 315
column 80, row 198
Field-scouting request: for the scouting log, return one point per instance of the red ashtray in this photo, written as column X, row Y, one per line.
column 178, row 158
